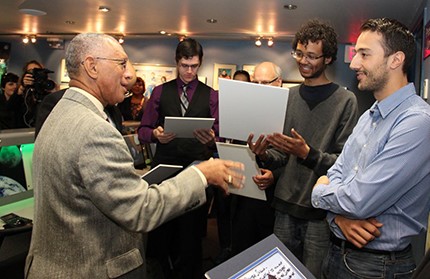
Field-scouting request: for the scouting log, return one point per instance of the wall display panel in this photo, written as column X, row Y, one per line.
column 154, row 74
column 250, row 69
column 222, row 71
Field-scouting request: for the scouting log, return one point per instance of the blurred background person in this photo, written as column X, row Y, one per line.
column 27, row 77
column 11, row 103
column 242, row 75
column 132, row 107
column 34, row 86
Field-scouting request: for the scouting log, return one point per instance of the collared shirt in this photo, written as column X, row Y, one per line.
column 384, row 171
column 151, row 113
column 93, row 100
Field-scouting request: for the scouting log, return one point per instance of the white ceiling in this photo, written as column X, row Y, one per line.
column 236, row 19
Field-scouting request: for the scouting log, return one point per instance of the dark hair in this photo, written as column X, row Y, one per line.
column 139, row 79
column 395, row 36
column 24, row 69
column 188, row 48
column 244, row 73
column 9, row 77
column 314, row 31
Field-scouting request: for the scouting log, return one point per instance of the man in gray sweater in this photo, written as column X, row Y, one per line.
column 320, row 117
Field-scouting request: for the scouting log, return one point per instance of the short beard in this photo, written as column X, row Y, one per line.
column 375, row 82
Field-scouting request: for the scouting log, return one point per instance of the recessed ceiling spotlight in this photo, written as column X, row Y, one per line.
column 270, row 42
column 33, row 39
column 25, row 40
column 71, row 22
column 211, row 20
column 121, row 40
column 104, row 9
column 290, row 7
column 162, row 32
column 33, row 12
column 33, row 7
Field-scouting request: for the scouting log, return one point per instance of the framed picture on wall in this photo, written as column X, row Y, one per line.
column 154, row 74
column 222, row 71
column 64, row 75
column 250, row 69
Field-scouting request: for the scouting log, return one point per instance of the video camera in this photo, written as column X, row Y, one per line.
column 42, row 84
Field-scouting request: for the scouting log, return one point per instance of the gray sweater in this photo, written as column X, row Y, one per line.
column 325, row 129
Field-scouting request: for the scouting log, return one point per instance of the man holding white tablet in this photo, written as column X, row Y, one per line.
column 179, row 247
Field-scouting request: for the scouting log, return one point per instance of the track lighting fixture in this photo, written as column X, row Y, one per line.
column 29, row 38
column 258, row 42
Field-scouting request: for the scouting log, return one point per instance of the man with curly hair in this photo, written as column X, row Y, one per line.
column 320, row 117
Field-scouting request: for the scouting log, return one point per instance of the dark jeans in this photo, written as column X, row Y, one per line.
column 348, row 263
column 308, row 240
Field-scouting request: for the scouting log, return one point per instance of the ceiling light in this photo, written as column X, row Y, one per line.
column 71, row 22
column 258, row 42
column 121, row 40
column 290, row 7
column 270, row 42
column 25, row 40
column 104, row 9
column 162, row 32
column 211, row 20
column 33, row 39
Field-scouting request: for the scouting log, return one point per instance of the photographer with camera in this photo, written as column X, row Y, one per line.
column 35, row 85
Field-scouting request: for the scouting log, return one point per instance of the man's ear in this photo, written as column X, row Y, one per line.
column 327, row 60
column 90, row 67
column 397, row 60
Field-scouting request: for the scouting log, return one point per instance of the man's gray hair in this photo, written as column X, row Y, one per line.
column 81, row 46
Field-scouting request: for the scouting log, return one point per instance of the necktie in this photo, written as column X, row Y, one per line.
column 184, row 100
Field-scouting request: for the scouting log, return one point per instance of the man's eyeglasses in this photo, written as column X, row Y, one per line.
column 121, row 62
column 186, row 66
column 265, row 82
column 310, row 57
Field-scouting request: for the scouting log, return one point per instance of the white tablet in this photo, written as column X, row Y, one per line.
column 184, row 127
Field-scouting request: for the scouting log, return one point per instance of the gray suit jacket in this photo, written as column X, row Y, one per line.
column 90, row 205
